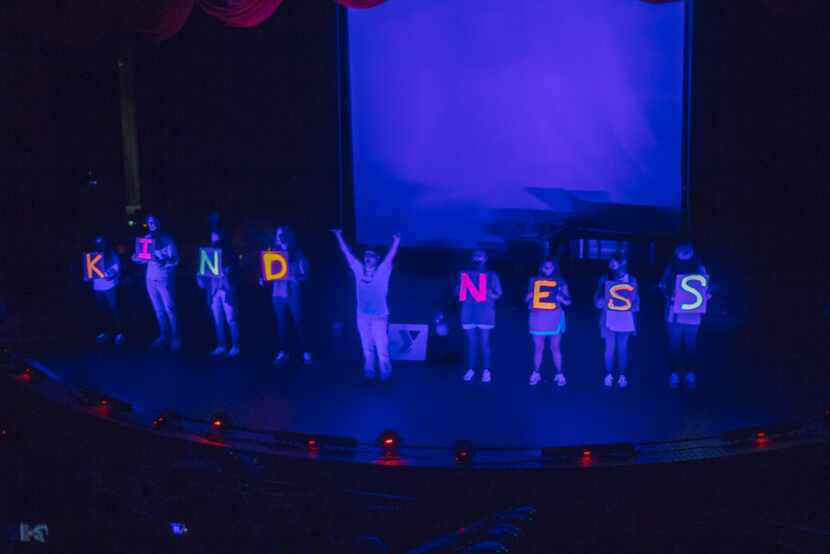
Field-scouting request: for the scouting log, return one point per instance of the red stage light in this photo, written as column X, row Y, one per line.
column 220, row 423
column 586, row 453
column 312, row 444
column 463, row 451
column 389, row 441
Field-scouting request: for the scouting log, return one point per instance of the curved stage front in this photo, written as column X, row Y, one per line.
column 431, row 408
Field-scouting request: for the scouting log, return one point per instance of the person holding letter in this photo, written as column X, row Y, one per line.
column 287, row 268
column 217, row 276
column 158, row 251
column 478, row 290
column 685, row 285
column 618, row 300
column 546, row 297
column 372, row 284
column 102, row 268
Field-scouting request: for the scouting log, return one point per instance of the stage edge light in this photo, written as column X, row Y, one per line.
column 591, row 452
column 389, row 441
column 463, row 452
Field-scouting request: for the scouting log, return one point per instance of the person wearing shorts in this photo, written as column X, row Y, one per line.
column 547, row 324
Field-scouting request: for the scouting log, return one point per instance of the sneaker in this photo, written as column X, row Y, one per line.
column 160, row 342
column 560, row 380
column 469, row 375
column 280, row 358
column 120, row 339
column 609, row 380
column 535, row 377
column 674, row 380
column 219, row 351
column 102, row 337
column 176, row 345
column 233, row 352
column 691, row 380
column 369, row 374
column 485, row 376
column 622, row 382
column 385, row 376
column 307, row 358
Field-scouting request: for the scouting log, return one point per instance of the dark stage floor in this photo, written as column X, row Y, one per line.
column 431, row 405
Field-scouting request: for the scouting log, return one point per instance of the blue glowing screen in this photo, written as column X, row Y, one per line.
column 478, row 121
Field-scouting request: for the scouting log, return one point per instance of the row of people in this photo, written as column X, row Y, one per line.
column 372, row 275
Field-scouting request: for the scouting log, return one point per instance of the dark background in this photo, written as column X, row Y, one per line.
column 246, row 121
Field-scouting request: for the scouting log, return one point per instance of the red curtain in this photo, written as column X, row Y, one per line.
column 240, row 13
column 365, row 3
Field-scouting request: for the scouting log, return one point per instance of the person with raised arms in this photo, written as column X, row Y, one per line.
column 372, row 285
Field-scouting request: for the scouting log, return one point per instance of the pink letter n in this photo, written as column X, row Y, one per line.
column 479, row 294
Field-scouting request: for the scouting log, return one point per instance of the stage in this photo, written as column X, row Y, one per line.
column 430, row 405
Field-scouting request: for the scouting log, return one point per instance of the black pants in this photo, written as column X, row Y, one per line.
column 107, row 302
column 282, row 308
column 681, row 335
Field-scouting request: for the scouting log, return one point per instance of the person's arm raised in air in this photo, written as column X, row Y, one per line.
column 338, row 234
column 393, row 250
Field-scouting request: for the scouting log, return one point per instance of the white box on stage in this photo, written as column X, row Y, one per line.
column 408, row 341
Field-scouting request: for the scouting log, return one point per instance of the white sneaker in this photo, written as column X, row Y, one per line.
column 485, row 376
column 674, row 380
column 160, row 342
column 469, row 375
column 691, row 380
column 219, row 351
column 307, row 358
column 622, row 382
column 119, row 339
column 280, row 358
column 560, row 380
column 233, row 352
column 535, row 377
column 102, row 337
column 609, row 380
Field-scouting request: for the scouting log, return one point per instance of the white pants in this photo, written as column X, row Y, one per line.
column 374, row 337
column 164, row 304
column 224, row 312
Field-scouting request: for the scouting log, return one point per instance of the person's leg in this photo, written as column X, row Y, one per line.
column 230, row 317
column 158, row 307
column 622, row 352
column 168, row 296
column 675, row 332
column 103, row 314
column 610, row 349
column 472, row 348
column 367, row 343
column 380, row 336
column 556, row 351
column 296, row 307
column 538, row 351
column 485, row 348
column 115, row 311
column 218, row 312
column 281, row 314
column 689, row 333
